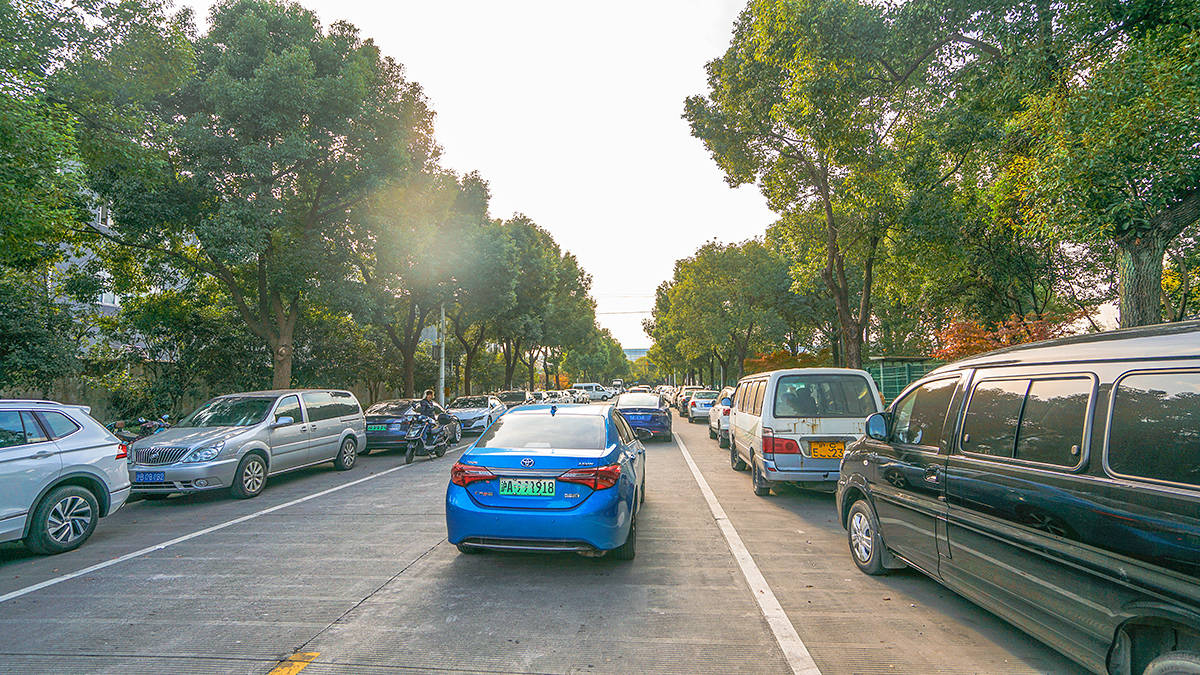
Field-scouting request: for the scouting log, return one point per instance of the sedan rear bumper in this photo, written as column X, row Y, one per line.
column 600, row 522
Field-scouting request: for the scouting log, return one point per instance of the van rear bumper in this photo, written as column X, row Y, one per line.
column 776, row 475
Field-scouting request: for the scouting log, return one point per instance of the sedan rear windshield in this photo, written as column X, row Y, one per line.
column 231, row 411
column 704, row 395
column 638, row 401
column 561, row 432
column 823, row 396
column 390, row 408
column 512, row 397
column 469, row 402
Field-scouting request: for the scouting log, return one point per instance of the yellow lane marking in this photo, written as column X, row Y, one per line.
column 294, row 663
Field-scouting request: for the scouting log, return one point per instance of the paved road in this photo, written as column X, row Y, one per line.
column 363, row 577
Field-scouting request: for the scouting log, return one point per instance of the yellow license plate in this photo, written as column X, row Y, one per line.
column 826, row 449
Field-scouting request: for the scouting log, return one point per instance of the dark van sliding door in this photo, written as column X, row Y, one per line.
column 1014, row 505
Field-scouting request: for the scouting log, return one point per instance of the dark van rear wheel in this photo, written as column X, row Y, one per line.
column 866, row 546
column 1175, row 663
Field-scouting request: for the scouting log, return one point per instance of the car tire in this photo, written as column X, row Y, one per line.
column 642, row 494
column 761, row 487
column 63, row 520
column 1174, row 663
column 722, row 440
column 457, row 435
column 862, row 534
column 466, row 549
column 627, row 550
column 250, row 477
column 712, row 434
column 347, row 457
column 735, row 461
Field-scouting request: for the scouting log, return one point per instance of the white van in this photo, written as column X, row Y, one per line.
column 594, row 391
column 792, row 426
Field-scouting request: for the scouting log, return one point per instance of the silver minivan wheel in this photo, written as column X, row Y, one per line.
column 346, row 456
column 250, row 478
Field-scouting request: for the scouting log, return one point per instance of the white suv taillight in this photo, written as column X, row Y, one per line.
column 122, row 451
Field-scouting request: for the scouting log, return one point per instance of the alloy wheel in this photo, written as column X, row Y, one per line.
column 862, row 537
column 253, row 476
column 69, row 519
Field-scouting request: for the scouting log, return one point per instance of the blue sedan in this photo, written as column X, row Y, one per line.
column 550, row 478
column 646, row 411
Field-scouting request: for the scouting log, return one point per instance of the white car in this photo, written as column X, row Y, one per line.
column 579, row 395
column 594, row 391
column 699, row 404
column 718, row 417
column 60, row 472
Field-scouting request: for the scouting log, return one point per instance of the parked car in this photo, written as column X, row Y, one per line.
column 718, row 417
column 60, row 472
column 699, row 404
column 512, row 399
column 476, row 413
column 550, row 479
column 646, row 411
column 640, row 389
column 237, row 441
column 594, row 391
column 792, row 426
column 681, row 396
column 390, row 426
column 580, row 396
column 1055, row 484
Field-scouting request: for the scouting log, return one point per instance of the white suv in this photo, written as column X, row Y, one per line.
column 594, row 391
column 60, row 472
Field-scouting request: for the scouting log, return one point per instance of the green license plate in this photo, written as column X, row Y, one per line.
column 376, row 427
column 527, row 487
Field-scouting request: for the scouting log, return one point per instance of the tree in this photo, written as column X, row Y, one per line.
column 486, row 288
column 1111, row 151
column 252, row 171
column 522, row 324
column 38, row 333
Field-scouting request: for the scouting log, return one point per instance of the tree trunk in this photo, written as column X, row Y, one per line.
column 1139, row 268
column 281, row 363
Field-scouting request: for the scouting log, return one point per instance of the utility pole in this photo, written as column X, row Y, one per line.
column 441, row 392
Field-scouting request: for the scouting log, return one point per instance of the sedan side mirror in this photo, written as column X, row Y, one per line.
column 726, row 401
column 643, row 434
column 877, row 427
column 283, row 421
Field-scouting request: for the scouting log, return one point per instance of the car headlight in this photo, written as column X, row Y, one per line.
column 205, row 454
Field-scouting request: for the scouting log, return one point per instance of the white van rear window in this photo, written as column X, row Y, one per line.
column 823, row 396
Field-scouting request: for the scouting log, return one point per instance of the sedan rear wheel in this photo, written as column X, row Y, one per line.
column 64, row 519
column 627, row 550
column 866, row 546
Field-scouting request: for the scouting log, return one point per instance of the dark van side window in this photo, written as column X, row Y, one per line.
column 1039, row 420
column 1155, row 431
column 919, row 416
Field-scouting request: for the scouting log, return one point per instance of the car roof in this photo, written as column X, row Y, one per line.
column 278, row 392
column 1168, row 340
column 564, row 409
column 809, row 371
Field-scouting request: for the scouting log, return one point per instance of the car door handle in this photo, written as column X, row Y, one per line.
column 931, row 476
column 42, row 454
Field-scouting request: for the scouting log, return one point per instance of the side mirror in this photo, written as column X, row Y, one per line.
column 877, row 427
column 643, row 434
column 283, row 421
column 726, row 401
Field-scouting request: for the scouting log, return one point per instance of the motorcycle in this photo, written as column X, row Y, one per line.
column 431, row 437
column 129, row 432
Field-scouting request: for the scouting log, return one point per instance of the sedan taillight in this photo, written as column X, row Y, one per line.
column 465, row 474
column 725, row 412
column 597, row 479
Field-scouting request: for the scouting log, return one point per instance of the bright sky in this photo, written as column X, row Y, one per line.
column 571, row 111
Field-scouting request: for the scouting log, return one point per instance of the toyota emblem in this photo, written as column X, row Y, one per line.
column 527, row 462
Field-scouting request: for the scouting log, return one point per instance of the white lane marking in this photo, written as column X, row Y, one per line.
column 198, row 533
column 789, row 641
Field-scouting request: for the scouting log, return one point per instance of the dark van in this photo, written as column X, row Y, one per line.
column 1056, row 484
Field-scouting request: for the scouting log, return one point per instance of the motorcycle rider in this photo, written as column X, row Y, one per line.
column 428, row 408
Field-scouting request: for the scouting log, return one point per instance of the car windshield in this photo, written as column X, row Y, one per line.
column 637, row 401
column 390, row 408
column 469, row 402
column 229, row 411
column 562, row 432
column 704, row 395
column 823, row 396
column 512, row 397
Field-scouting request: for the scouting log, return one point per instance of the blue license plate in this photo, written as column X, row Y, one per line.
column 149, row 476
column 640, row 418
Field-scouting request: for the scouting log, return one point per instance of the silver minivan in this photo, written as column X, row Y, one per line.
column 235, row 442
column 792, row 426
column 60, row 472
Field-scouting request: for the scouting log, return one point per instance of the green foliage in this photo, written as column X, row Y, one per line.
column 38, row 334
